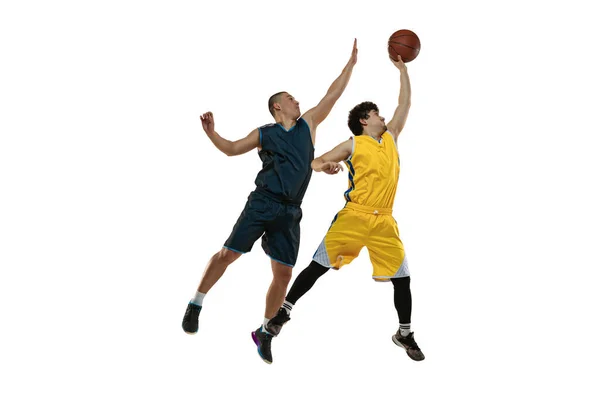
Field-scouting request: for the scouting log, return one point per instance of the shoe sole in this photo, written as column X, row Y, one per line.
column 257, row 343
column 397, row 343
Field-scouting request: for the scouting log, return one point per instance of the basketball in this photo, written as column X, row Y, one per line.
column 404, row 43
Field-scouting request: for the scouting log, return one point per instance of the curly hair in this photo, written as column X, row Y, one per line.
column 361, row 111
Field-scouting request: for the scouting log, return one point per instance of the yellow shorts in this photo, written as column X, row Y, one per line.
column 356, row 226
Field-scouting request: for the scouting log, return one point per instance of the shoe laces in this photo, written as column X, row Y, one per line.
column 280, row 318
column 410, row 341
column 268, row 336
column 192, row 310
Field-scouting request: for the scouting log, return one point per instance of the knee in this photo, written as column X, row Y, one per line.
column 226, row 256
column 283, row 276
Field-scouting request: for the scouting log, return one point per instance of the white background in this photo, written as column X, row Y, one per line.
column 113, row 199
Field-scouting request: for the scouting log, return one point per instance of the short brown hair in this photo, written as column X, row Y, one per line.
column 274, row 99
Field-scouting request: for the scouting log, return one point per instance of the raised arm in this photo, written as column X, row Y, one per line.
column 399, row 118
column 328, row 162
column 228, row 147
column 317, row 114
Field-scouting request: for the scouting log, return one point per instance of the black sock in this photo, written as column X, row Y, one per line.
column 305, row 281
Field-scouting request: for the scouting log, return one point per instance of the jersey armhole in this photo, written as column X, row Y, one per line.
column 309, row 133
column 353, row 144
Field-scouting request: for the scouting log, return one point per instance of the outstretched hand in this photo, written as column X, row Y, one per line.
column 399, row 63
column 354, row 55
column 331, row 168
column 208, row 122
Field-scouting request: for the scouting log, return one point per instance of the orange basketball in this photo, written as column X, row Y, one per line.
column 404, row 43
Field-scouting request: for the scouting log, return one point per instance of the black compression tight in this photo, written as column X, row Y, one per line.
column 305, row 280
column 402, row 298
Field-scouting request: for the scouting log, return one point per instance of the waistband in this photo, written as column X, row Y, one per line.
column 368, row 210
column 277, row 198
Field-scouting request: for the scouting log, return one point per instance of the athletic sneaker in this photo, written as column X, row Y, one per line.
column 263, row 344
column 276, row 323
column 190, row 319
column 408, row 343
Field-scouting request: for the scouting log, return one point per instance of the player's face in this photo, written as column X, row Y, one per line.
column 376, row 121
column 290, row 106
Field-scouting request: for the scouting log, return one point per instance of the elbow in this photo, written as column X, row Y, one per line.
column 230, row 151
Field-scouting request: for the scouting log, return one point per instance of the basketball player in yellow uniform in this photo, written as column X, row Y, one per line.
column 373, row 169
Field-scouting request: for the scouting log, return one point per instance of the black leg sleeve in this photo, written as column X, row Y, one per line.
column 305, row 280
column 402, row 298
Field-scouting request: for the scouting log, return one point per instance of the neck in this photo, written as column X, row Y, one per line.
column 373, row 134
column 287, row 123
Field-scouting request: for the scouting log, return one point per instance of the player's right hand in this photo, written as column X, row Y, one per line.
column 208, row 122
column 331, row 168
column 399, row 63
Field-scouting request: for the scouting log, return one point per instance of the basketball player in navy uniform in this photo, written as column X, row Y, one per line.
column 272, row 211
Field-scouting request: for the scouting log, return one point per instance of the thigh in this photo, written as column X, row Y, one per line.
column 281, row 240
column 386, row 250
column 251, row 223
column 344, row 239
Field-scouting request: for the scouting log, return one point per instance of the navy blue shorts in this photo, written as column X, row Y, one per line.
column 278, row 223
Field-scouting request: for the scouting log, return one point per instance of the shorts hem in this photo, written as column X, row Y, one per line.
column 381, row 279
column 237, row 251
column 325, row 266
column 279, row 261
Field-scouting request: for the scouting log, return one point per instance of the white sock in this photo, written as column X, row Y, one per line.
column 405, row 329
column 198, row 298
column 287, row 306
column 264, row 325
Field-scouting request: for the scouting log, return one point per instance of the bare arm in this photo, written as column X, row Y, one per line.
column 399, row 118
column 317, row 114
column 328, row 162
column 228, row 147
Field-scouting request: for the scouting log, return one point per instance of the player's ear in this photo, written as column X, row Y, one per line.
column 363, row 121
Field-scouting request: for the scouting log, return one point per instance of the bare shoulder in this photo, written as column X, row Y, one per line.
column 308, row 118
column 347, row 147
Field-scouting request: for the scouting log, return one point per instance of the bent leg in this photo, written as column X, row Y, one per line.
column 305, row 281
column 216, row 267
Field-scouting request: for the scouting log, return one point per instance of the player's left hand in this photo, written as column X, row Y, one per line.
column 331, row 168
column 353, row 55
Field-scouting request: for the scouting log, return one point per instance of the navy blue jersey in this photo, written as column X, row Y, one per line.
column 286, row 157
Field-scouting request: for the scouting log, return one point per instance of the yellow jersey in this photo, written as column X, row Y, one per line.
column 373, row 171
